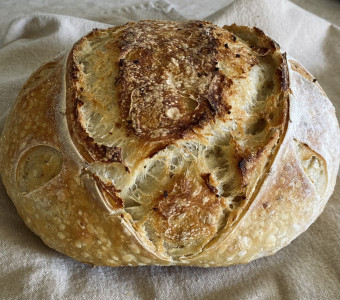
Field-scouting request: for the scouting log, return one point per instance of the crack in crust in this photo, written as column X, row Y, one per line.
column 283, row 73
column 108, row 190
column 98, row 152
column 88, row 148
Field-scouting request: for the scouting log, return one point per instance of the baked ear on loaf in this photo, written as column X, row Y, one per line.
column 170, row 143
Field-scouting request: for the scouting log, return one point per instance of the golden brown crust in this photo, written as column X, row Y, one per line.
column 152, row 109
column 170, row 143
column 301, row 70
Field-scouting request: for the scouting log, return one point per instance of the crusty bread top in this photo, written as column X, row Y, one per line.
column 186, row 118
column 170, row 143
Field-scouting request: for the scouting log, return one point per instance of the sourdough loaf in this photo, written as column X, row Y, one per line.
column 170, row 143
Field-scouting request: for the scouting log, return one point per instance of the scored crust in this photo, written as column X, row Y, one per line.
column 162, row 142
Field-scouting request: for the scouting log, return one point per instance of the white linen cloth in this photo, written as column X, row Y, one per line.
column 309, row 268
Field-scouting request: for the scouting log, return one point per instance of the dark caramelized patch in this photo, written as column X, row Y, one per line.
column 251, row 163
column 185, row 214
column 175, row 84
column 207, row 180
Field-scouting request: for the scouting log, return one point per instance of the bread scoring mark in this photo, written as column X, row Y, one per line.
column 102, row 153
column 283, row 73
column 37, row 166
column 108, row 190
column 89, row 149
column 313, row 165
column 175, row 85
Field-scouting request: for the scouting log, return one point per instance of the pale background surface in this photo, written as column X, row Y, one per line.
column 309, row 268
column 90, row 9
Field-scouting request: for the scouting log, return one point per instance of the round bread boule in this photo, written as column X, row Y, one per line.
column 170, row 143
